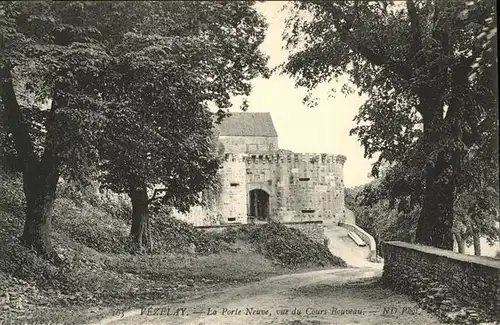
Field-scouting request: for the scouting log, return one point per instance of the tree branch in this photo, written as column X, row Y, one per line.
column 440, row 33
column 459, row 82
column 15, row 123
column 435, row 18
column 416, row 44
column 402, row 70
column 398, row 68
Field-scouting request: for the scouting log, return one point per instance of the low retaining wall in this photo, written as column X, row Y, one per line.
column 312, row 229
column 366, row 237
column 444, row 280
column 218, row 228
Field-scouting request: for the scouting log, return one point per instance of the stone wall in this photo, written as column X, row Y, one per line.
column 245, row 144
column 457, row 287
column 232, row 205
column 301, row 187
column 366, row 237
column 199, row 216
column 217, row 228
column 305, row 186
column 312, row 229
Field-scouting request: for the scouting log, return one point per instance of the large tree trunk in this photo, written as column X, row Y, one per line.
column 39, row 176
column 40, row 197
column 40, row 184
column 436, row 216
column 139, row 231
column 460, row 242
column 477, row 243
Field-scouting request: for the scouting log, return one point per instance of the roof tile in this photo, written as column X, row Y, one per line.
column 247, row 124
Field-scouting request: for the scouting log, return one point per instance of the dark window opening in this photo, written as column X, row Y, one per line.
column 308, row 211
column 235, row 184
column 304, row 178
column 231, row 219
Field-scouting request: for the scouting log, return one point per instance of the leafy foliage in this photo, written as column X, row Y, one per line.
column 128, row 86
column 159, row 128
column 388, row 208
column 52, row 65
column 144, row 78
column 425, row 115
column 371, row 42
column 173, row 235
column 375, row 214
column 287, row 246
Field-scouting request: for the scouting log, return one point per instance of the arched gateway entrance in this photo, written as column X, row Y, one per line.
column 258, row 204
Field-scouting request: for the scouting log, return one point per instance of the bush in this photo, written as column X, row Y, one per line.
column 288, row 247
column 90, row 226
column 174, row 235
column 119, row 208
column 229, row 235
column 25, row 264
column 12, row 199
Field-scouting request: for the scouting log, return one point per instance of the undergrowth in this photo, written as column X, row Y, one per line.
column 90, row 234
column 286, row 246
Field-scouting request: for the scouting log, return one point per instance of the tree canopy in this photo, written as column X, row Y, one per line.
column 167, row 74
column 165, row 77
column 388, row 206
column 128, row 85
column 413, row 60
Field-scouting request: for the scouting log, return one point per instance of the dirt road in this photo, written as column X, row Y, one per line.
column 337, row 296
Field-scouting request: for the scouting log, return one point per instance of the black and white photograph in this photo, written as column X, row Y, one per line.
column 325, row 162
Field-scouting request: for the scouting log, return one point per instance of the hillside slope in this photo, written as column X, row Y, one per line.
column 99, row 272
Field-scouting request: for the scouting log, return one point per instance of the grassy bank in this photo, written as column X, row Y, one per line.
column 98, row 273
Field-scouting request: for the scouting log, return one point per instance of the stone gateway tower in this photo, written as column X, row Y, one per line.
column 262, row 182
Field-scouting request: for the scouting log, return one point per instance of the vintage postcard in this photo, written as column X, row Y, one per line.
column 249, row 162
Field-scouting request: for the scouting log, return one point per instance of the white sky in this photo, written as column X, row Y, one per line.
column 323, row 129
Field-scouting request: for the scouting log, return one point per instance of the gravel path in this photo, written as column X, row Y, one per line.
column 337, row 296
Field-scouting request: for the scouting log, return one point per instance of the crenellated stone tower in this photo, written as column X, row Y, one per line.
column 262, row 182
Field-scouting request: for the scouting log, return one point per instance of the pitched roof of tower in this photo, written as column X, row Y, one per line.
column 247, row 124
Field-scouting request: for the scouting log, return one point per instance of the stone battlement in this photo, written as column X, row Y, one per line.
column 235, row 157
column 285, row 158
column 261, row 182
